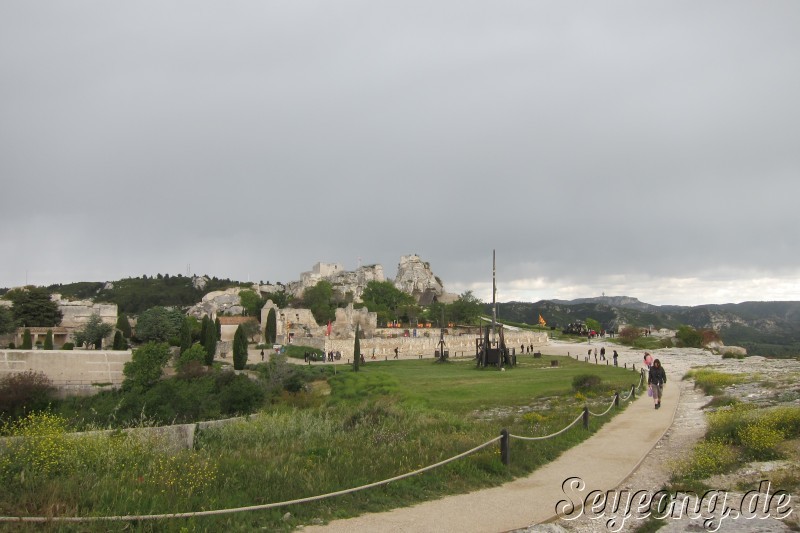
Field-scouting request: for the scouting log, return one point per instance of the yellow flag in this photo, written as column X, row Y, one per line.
column 541, row 321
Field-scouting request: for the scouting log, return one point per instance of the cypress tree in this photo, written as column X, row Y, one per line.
column 48, row 340
column 239, row 349
column 210, row 343
column 271, row 329
column 124, row 325
column 186, row 335
column 204, row 330
column 27, row 340
column 218, row 328
column 356, row 351
column 119, row 343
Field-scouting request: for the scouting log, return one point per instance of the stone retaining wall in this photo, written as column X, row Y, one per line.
column 457, row 345
column 68, row 369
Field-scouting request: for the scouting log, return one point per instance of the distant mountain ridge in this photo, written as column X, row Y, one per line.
column 764, row 328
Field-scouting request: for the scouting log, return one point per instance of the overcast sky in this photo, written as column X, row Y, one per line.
column 647, row 149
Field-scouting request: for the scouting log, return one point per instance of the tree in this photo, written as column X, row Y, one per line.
column 279, row 298
column 239, row 349
column 6, row 320
column 593, row 325
column 218, row 328
column 629, row 334
column 689, row 337
column 210, row 343
column 195, row 356
column 32, row 307
column 438, row 313
column 186, row 334
column 319, row 299
column 119, row 341
column 159, row 324
column 271, row 329
column 48, row 340
column 389, row 302
column 204, row 325
column 250, row 330
column 146, row 366
column 251, row 302
column 124, row 325
column 467, row 309
column 93, row 332
column 357, row 350
column 27, row 340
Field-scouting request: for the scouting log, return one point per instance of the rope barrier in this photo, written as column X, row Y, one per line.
column 242, row 509
column 604, row 412
column 580, row 416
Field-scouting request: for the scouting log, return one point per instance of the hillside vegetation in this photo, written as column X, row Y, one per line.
column 134, row 295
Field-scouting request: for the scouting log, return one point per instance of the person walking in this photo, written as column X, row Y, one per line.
column 657, row 378
column 603, row 353
column 616, row 355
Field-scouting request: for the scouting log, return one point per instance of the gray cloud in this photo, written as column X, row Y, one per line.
column 612, row 147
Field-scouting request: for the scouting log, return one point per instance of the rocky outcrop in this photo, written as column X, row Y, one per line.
column 218, row 303
column 414, row 276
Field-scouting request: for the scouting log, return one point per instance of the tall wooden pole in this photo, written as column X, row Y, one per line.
column 494, row 295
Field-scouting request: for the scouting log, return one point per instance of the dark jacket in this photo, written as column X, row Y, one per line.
column 657, row 376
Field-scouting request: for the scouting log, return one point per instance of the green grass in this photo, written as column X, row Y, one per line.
column 389, row 418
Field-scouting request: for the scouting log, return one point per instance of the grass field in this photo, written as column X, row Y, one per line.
column 390, row 418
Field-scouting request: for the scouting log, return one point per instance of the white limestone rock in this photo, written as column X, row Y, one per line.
column 414, row 276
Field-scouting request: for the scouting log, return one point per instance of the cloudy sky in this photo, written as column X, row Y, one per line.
column 648, row 149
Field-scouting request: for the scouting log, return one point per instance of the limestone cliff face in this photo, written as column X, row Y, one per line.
column 415, row 277
column 217, row 303
column 343, row 281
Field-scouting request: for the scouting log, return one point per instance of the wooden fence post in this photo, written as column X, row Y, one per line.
column 505, row 452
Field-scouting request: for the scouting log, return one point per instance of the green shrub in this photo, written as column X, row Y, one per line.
column 712, row 381
column 68, row 346
column 708, row 457
column 733, row 355
column 586, row 383
column 195, row 354
column 11, row 346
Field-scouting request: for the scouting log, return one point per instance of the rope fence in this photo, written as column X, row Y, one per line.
column 504, row 440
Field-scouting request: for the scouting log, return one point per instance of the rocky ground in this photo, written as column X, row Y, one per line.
column 770, row 382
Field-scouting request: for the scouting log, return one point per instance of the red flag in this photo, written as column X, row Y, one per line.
column 329, row 329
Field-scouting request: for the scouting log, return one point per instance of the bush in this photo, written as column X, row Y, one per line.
column 709, row 457
column 239, row 394
column 586, row 383
column 25, row 392
column 11, row 346
column 68, row 346
column 195, row 354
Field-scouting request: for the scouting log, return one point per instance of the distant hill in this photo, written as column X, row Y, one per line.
column 764, row 328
